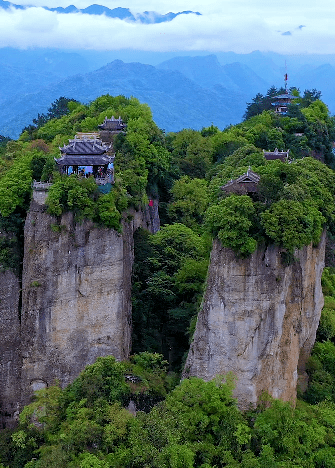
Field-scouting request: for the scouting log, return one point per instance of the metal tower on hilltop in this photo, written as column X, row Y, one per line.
column 285, row 78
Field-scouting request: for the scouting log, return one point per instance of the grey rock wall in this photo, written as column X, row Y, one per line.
column 10, row 356
column 76, row 295
column 258, row 320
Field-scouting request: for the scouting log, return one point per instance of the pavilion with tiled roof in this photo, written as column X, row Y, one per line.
column 82, row 152
column 281, row 102
column 113, row 124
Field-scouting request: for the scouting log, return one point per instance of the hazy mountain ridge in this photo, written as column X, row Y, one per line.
column 146, row 17
column 176, row 101
column 185, row 91
column 207, row 72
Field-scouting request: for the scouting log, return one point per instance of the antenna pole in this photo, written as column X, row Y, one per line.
column 285, row 77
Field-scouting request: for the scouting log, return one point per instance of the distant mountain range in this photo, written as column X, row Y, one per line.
column 176, row 101
column 147, row 17
column 190, row 91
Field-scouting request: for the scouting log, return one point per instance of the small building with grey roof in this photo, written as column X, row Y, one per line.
column 276, row 154
column 246, row 184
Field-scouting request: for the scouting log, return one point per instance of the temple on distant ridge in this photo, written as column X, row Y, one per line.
column 281, row 102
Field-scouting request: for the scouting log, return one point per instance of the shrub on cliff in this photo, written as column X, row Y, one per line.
column 83, row 199
column 231, row 220
column 292, row 224
column 73, row 194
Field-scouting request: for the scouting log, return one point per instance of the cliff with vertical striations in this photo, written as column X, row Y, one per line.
column 10, row 356
column 76, row 301
column 258, row 320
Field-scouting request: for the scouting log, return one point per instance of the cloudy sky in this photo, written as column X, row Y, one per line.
column 227, row 25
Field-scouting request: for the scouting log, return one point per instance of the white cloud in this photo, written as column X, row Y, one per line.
column 36, row 21
column 229, row 25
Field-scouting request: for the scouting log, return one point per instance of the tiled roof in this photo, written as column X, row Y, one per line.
column 284, row 96
column 271, row 155
column 85, row 147
column 113, row 124
column 247, row 177
column 85, row 160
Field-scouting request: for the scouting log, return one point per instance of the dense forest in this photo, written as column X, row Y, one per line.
column 192, row 423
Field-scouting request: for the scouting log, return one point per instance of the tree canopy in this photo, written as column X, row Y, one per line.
column 196, row 424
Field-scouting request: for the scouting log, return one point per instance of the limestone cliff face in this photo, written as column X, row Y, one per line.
column 76, row 300
column 258, row 320
column 10, row 356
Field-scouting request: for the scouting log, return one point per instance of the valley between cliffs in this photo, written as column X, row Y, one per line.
column 258, row 319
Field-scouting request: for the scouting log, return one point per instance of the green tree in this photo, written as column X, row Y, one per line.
column 60, row 107
column 103, row 379
column 15, row 186
column 231, row 220
column 191, row 152
column 169, row 273
column 293, row 224
column 261, row 103
column 309, row 96
column 294, row 434
column 189, row 202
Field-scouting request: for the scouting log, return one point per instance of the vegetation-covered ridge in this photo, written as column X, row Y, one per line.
column 185, row 170
column 198, row 424
column 141, row 161
column 294, row 200
column 293, row 204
